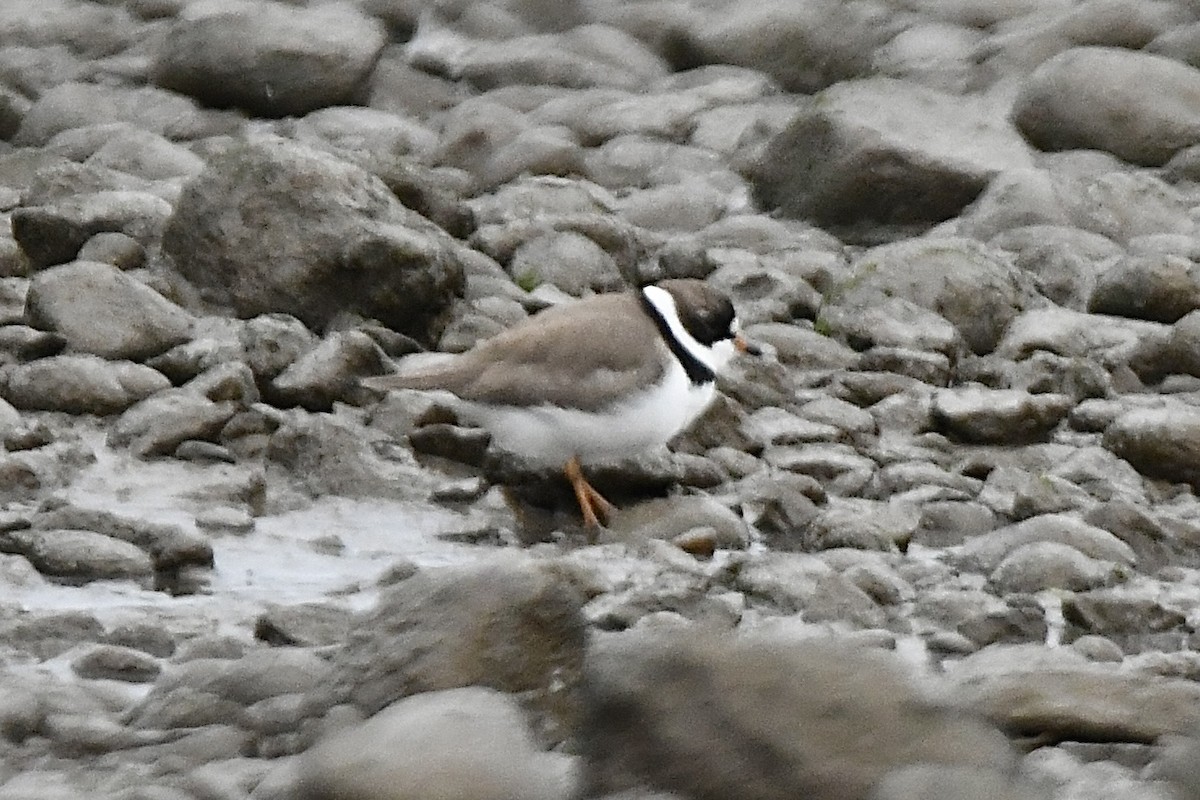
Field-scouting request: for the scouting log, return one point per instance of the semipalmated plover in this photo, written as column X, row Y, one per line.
column 600, row 378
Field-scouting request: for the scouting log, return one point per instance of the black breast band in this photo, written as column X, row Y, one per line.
column 698, row 373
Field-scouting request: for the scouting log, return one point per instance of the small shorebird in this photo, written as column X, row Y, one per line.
column 604, row 377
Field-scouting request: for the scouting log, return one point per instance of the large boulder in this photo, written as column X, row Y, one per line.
column 1143, row 108
column 271, row 59
column 764, row 719
column 515, row 625
column 272, row 226
column 886, row 150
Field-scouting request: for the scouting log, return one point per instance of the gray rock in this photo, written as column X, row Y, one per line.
column 1159, row 442
column 841, row 468
column 1080, row 189
column 1038, row 566
column 940, row 55
column 1111, row 340
column 351, row 128
column 589, row 55
column 1138, row 106
column 998, row 416
column 98, row 309
column 119, row 249
column 950, row 522
column 170, row 546
column 514, row 625
column 328, row 455
column 1123, row 616
column 1048, row 494
column 932, row 368
column 926, row 782
column 804, row 584
column 1155, row 288
column 1183, row 346
column 228, row 684
column 270, row 59
column 55, row 233
column 568, row 260
column 273, row 342
column 1055, row 694
column 81, row 385
column 937, row 151
column 802, row 347
column 1064, row 262
column 78, row 555
column 114, row 663
column 803, row 47
column 1098, row 648
column 144, row 154
column 862, row 524
column 824, row 720
column 636, row 160
column 965, row 283
column 344, row 244
column 470, row 743
column 987, row 552
column 75, row 105
column 330, row 371
column 670, row 518
column 893, row 322
column 306, row 625
column 157, row 425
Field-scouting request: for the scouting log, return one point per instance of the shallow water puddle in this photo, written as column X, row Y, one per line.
column 334, row 548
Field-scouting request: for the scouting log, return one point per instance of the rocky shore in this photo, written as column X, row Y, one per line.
column 941, row 542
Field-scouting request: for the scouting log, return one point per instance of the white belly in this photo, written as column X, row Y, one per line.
column 550, row 435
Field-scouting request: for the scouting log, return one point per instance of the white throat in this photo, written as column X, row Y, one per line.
column 715, row 357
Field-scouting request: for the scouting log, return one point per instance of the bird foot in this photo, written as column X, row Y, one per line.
column 593, row 505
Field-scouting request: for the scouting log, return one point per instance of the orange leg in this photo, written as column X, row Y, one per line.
column 591, row 502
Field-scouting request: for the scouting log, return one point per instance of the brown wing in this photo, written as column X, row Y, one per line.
column 580, row 355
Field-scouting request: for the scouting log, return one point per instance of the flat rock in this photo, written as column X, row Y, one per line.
column 98, row 309
column 170, row 546
column 81, row 384
column 1139, row 106
column 1038, row 566
column 271, row 59
column 938, row 151
column 79, row 555
column 471, row 743
column 586, row 56
column 344, row 244
column 157, row 425
column 804, row 47
column 987, row 552
column 115, row 663
column 1159, row 442
column 1055, row 695
column 998, row 416
column 75, row 105
column 1069, row 333
column 825, row 720
column 1158, row 288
